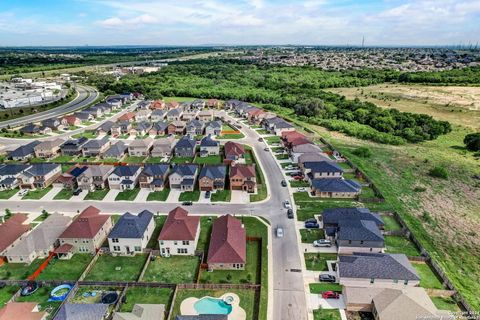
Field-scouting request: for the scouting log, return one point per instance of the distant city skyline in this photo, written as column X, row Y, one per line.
column 239, row 22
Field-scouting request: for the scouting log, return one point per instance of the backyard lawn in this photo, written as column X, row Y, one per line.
column 132, row 159
column 299, row 184
column 66, row 269
column 18, row 271
column 310, row 235
column 445, row 304
column 153, row 242
column 205, row 230
column 141, row 295
column 63, row 158
column 86, row 134
column 96, row 195
column 41, row 297
column 231, row 136
column 6, row 294
column 399, row 244
column 182, row 160
column 7, row 194
column 318, row 261
column 110, row 268
column 174, row 269
column 36, row 194
column 158, row 195
column 321, row 287
column 391, row 224
column 189, row 196
column 326, row 314
column 209, row 160
column 221, row 195
column 428, row 279
column 127, row 195
column 64, row 194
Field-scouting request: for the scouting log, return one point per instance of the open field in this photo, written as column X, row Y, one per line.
column 458, row 105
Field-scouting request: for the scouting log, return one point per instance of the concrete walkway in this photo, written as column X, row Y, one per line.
column 142, row 195
column 111, row 195
column 80, row 197
column 173, row 196
column 51, row 194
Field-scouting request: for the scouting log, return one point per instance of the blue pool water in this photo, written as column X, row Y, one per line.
column 209, row 305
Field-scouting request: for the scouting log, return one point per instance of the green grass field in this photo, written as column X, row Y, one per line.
column 181, row 160
column 140, row 295
column 189, row 196
column 318, row 261
column 110, row 268
column 326, row 314
column 174, row 269
column 321, row 287
column 66, row 269
column 96, row 195
column 208, row 160
column 310, row 235
column 398, row 244
column 6, row 294
column 391, row 223
column 7, row 194
column 36, row 194
column 158, row 195
column 127, row 195
column 221, row 196
column 427, row 278
column 64, row 194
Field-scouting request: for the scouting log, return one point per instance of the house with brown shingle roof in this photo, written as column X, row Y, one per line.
column 12, row 231
column 129, row 116
column 179, row 235
column 23, row 311
column 242, row 177
column 228, row 245
column 233, row 152
column 87, row 232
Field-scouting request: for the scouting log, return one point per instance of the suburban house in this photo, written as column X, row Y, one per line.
column 142, row 312
column 376, row 270
column 40, row 175
column 83, row 116
column 30, row 129
column 408, row 303
column 157, row 115
column 131, row 233
column 95, row 177
column 52, row 123
column 143, row 115
column 86, row 233
column 277, row 126
column 194, row 127
column 214, row 103
column 205, row 115
column 176, row 127
column 234, row 152
column 124, row 125
column 140, row 129
column 116, row 130
column 228, row 244
column 335, row 188
column 116, row 151
column 296, row 151
column 322, row 170
column 163, row 147
column 22, row 310
column 153, row 176
column 40, row 241
column 158, row 129
column 243, row 177
column 179, row 234
column 174, row 114
column 140, row 147
column 9, row 175
column 48, row 149
column 77, row 311
column 198, row 104
column 185, row 147
column 124, row 177
column 189, row 115
column 95, row 147
column 294, row 138
column 172, row 105
column 212, row 178
column 70, row 120
column 24, row 152
column 209, row 147
column 157, row 105
column 105, row 128
column 94, row 111
column 127, row 116
column 73, row 147
column 213, row 128
column 68, row 179
column 183, row 177
column 305, row 158
column 12, row 231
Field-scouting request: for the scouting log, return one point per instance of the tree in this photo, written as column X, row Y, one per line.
column 472, row 141
column 363, row 152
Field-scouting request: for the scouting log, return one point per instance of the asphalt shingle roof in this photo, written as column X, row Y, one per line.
column 25, row 150
column 82, row 311
column 185, row 142
column 359, row 230
column 126, row 171
column 131, row 226
column 323, row 166
column 208, row 142
column 335, row 185
column 334, row 215
column 155, row 169
column 185, row 169
column 213, row 172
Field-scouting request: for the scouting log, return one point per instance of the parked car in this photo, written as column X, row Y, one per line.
column 330, row 295
column 260, row 139
column 290, row 213
column 187, row 203
column 284, row 183
column 266, row 149
column 322, row 243
column 279, row 232
column 288, row 168
column 77, row 191
column 325, row 277
column 311, row 225
column 297, row 178
column 301, row 189
column 23, row 192
column 287, row 204
column 311, row 220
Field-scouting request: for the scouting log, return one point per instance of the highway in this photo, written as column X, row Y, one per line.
column 86, row 95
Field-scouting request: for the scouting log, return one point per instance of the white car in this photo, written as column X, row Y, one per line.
column 322, row 243
column 279, row 232
column 23, row 192
column 287, row 204
column 301, row 189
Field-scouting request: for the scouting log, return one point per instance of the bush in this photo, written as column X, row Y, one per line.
column 362, row 152
column 472, row 141
column 439, row 172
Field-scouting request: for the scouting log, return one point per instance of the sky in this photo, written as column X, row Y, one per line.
column 238, row 22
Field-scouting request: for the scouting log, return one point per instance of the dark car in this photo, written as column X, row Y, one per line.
column 260, row 139
column 327, row 278
column 207, row 195
column 187, row 203
column 77, row 192
column 311, row 220
column 311, row 225
column 290, row 214
column 284, row 183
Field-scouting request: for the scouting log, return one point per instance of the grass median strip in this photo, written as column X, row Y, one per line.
column 318, row 261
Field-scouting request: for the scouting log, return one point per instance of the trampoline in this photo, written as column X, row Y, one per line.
column 109, row 298
column 60, row 293
column 29, row 288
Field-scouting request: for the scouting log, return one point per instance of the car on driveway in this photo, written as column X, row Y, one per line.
column 187, row 203
column 322, row 243
column 260, row 139
column 23, row 192
column 266, row 149
column 290, row 213
column 287, row 204
column 311, row 225
column 207, row 195
column 301, row 189
column 284, row 183
column 325, row 277
column 77, row 192
column 279, row 232
column 330, row 295
column 297, row 178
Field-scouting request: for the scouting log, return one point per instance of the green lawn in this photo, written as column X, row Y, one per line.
column 18, row 271
column 391, row 224
column 205, row 230
column 326, row 314
column 36, row 194
column 87, row 159
column 159, row 195
column 64, row 194
column 318, row 261
column 127, row 195
column 310, row 235
column 261, row 187
column 367, row 192
column 226, row 127
column 6, row 294
column 38, row 160
column 174, row 269
column 189, row 196
column 86, row 134
column 66, row 269
column 141, row 295
column 308, row 208
column 209, row 160
column 63, row 158
column 106, row 268
column 321, row 287
column 445, row 304
column 272, row 140
column 7, row 194
column 153, row 242
column 231, row 136
column 299, row 184
column 181, row 160
column 132, row 159
column 262, row 131
column 428, row 279
column 398, row 244
column 41, row 296
column 221, row 195
column 282, row 156
column 154, row 160
column 96, row 195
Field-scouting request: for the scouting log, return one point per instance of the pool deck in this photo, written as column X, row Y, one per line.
column 187, row 307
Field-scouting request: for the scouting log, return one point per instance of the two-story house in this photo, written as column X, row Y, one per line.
column 131, row 233
column 158, row 129
column 73, row 147
column 143, row 115
column 209, row 147
column 243, row 177
column 212, row 177
column 95, row 177
column 48, row 149
column 116, row 151
column 176, row 127
column 185, row 147
column 95, row 147
column 189, row 115
column 39, row 175
column 179, row 234
column 205, row 115
column 157, row 115
column 124, row 177
column 174, row 114
column 140, row 147
column 9, row 175
column 233, row 152
column 140, row 129
column 195, row 127
column 213, row 128
column 163, row 147
column 154, row 176
column 183, row 177
column 24, row 152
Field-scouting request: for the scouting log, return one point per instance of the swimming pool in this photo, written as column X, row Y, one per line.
column 209, row 305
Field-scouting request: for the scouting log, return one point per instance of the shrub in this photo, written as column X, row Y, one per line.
column 438, row 172
column 472, row 141
column 362, row 152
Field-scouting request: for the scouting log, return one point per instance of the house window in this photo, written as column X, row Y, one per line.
column 181, row 250
column 174, row 243
column 405, row 282
column 372, row 280
column 186, row 243
column 138, row 248
column 161, row 243
column 116, row 248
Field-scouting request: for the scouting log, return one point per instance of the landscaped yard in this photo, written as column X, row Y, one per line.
column 326, row 314
column 391, row 223
column 282, row 156
column 158, row 195
column 221, row 195
column 6, row 294
column 272, row 140
column 428, row 279
column 141, row 295
column 153, row 242
column 41, row 297
column 209, row 160
column 318, row 261
column 189, row 196
column 127, row 195
column 261, row 187
column 36, row 194
column 399, row 244
column 63, row 158
column 66, row 269
column 231, row 136
column 96, row 195
column 299, row 184
column 86, row 134
column 321, row 287
column 64, row 194
column 110, row 268
column 310, row 206
column 310, row 235
column 181, row 160
column 132, row 159
column 174, row 269
column 205, row 230
column 7, row 194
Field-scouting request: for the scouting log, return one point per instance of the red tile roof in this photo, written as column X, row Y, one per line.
column 86, row 225
column 20, row 310
column 243, row 171
column 233, row 149
column 64, row 248
column 228, row 242
column 12, row 229
column 179, row 226
column 158, row 104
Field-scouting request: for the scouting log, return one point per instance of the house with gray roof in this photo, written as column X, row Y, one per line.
column 195, row 127
column 213, row 128
column 131, row 234
column 116, row 151
column 209, row 147
column 24, row 152
column 95, row 177
column 322, row 170
column 157, row 115
column 48, row 149
column 83, row 311
column 39, row 175
column 183, row 177
column 382, row 270
column 142, row 312
column 305, row 158
column 158, row 129
column 163, row 147
column 95, row 147
column 30, row 129
column 189, row 114
column 212, row 178
column 153, row 176
column 105, row 128
column 53, row 123
column 140, row 129
column 140, row 147
column 73, row 147
column 174, row 114
column 124, row 177
column 143, row 115
column 40, row 241
column 357, row 236
column 185, row 147
column 308, row 148
column 9, row 175
column 335, row 188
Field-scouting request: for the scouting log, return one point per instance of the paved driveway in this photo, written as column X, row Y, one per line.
column 111, row 195
column 239, row 196
column 142, row 195
column 317, row 302
column 80, row 197
column 202, row 198
column 51, row 194
column 173, row 196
